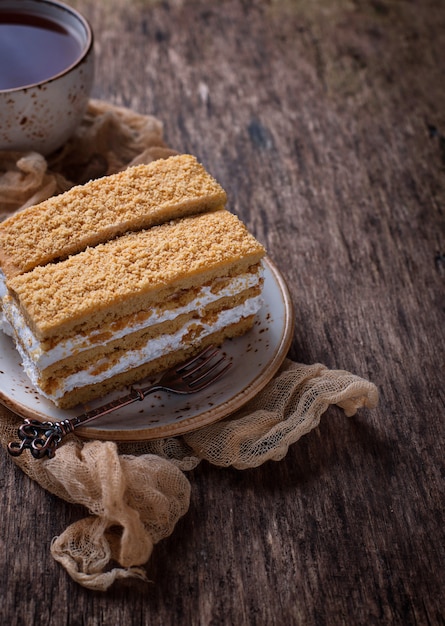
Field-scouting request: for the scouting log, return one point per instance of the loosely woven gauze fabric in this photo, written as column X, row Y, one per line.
column 136, row 492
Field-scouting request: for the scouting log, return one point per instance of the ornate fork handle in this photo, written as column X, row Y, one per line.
column 43, row 438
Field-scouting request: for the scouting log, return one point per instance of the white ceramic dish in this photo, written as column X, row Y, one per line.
column 256, row 357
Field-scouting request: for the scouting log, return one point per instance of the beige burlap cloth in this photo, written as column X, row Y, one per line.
column 135, row 493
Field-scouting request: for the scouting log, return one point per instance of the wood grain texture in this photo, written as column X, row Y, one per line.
column 325, row 122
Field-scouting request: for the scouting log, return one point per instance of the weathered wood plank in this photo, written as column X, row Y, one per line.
column 325, row 121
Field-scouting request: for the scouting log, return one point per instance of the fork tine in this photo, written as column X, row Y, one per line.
column 203, row 369
column 198, row 361
column 204, row 381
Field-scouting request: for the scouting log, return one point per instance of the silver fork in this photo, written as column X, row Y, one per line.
column 43, row 438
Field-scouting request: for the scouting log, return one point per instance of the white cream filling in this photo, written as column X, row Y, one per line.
column 153, row 349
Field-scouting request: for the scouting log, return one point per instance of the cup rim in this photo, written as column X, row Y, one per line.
column 62, row 7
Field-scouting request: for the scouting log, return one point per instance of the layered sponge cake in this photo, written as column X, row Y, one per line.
column 125, row 276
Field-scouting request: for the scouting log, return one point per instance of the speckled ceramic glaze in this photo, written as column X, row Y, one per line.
column 41, row 117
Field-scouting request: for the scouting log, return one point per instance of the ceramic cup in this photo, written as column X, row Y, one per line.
column 46, row 73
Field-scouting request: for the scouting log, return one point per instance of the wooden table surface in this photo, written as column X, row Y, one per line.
column 325, row 122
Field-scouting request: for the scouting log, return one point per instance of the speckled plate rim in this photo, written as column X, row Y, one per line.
column 275, row 331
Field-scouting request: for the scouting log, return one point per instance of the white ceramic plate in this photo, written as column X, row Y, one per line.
column 256, row 357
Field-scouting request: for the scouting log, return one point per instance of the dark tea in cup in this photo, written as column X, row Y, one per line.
column 34, row 48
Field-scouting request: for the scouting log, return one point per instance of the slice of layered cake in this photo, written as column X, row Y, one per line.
column 92, row 309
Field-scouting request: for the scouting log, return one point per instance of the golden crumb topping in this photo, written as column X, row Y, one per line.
column 127, row 273
column 86, row 215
